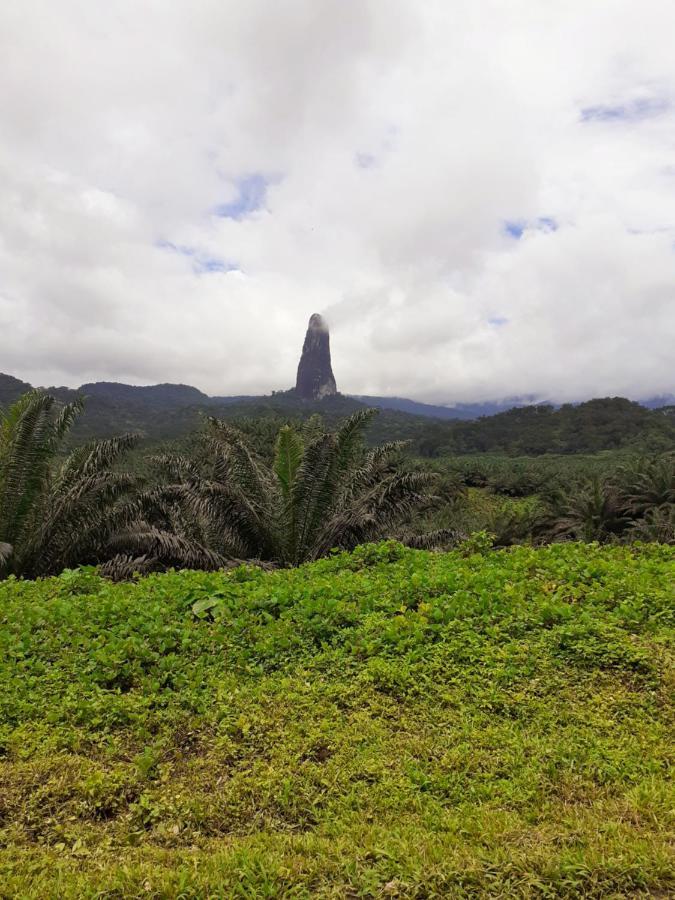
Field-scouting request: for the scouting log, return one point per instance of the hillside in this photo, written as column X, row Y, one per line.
column 608, row 423
column 168, row 396
column 169, row 411
column 387, row 723
column 172, row 411
column 11, row 389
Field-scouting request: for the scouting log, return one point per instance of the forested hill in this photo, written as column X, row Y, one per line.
column 11, row 389
column 171, row 411
column 602, row 424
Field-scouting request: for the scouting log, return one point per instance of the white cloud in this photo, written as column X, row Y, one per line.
column 396, row 139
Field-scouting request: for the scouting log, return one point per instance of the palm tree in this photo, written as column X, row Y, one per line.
column 594, row 511
column 648, row 484
column 43, row 507
column 321, row 490
column 55, row 511
column 657, row 525
column 58, row 510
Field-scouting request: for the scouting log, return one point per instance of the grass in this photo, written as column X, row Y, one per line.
column 387, row 723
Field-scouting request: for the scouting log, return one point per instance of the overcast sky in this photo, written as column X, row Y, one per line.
column 478, row 194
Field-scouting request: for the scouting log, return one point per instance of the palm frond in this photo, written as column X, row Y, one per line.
column 6, row 551
column 240, row 463
column 432, row 540
column 312, row 494
column 57, row 514
column 123, row 567
column 166, row 548
column 657, row 525
column 648, row 484
column 312, row 429
column 27, row 448
column 594, row 511
column 287, row 458
column 96, row 456
column 174, row 467
column 349, row 437
column 66, row 419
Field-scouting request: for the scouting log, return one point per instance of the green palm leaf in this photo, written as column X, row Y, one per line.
column 288, row 458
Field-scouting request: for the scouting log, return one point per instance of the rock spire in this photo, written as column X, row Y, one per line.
column 315, row 374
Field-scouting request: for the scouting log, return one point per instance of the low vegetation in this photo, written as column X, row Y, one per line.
column 385, row 723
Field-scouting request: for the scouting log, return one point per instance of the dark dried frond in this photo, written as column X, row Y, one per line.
column 440, row 539
column 165, row 547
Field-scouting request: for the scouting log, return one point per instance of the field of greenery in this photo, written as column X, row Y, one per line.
column 610, row 497
column 383, row 723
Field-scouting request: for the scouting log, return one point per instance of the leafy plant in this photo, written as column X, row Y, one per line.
column 321, row 490
column 56, row 511
column 648, row 484
column 594, row 511
column 60, row 510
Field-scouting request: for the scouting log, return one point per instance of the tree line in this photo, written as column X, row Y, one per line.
column 608, row 423
column 281, row 495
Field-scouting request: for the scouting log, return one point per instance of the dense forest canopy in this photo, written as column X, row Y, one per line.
column 602, row 424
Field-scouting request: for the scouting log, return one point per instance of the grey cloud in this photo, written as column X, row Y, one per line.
column 127, row 128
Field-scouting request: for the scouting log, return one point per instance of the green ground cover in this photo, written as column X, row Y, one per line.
column 387, row 723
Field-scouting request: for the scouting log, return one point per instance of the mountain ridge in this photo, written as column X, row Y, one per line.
column 177, row 393
column 169, row 411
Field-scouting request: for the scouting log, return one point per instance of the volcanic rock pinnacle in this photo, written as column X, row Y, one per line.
column 315, row 375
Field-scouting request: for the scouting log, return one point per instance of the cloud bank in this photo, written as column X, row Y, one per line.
column 480, row 197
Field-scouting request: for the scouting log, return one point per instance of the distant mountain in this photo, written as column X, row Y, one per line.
column 168, row 411
column 237, row 398
column 606, row 423
column 171, row 411
column 157, row 395
column 458, row 411
column 658, row 402
column 470, row 411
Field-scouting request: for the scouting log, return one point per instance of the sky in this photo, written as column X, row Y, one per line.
column 478, row 196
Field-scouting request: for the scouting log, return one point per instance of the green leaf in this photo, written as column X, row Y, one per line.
column 204, row 606
column 288, row 458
